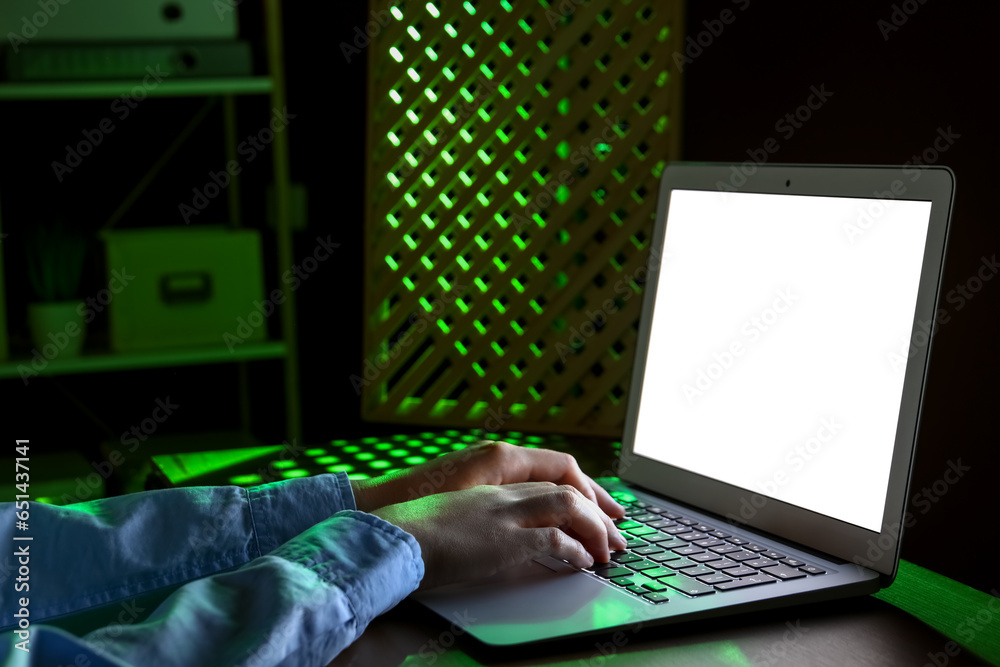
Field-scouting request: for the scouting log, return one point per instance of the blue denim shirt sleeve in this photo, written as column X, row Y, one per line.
column 285, row 573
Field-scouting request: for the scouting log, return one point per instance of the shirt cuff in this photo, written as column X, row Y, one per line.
column 373, row 562
column 281, row 510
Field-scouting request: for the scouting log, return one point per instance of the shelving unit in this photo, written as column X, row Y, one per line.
column 227, row 90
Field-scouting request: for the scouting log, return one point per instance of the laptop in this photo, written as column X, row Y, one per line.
column 779, row 375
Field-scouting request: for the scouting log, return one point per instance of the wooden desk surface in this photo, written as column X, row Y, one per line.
column 862, row 631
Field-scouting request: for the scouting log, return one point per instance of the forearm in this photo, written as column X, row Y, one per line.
column 299, row 605
column 111, row 550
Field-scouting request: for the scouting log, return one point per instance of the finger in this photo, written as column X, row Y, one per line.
column 549, row 462
column 565, row 507
column 551, row 541
column 606, row 502
column 521, row 464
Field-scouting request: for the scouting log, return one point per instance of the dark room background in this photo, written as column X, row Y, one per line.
column 893, row 87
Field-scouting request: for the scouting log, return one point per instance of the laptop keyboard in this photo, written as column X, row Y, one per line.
column 666, row 550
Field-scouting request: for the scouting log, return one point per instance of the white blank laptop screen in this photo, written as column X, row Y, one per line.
column 779, row 344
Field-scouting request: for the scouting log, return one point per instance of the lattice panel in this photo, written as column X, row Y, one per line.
column 514, row 152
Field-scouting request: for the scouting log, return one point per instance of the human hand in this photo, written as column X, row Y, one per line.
column 494, row 463
column 479, row 531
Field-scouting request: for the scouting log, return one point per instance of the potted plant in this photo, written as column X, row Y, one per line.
column 55, row 254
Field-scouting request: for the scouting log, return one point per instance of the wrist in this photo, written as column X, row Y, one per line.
column 372, row 494
column 362, row 495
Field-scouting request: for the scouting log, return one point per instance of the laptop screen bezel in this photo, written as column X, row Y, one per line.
column 875, row 550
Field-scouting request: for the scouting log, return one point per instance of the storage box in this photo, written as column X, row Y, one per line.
column 176, row 287
column 23, row 21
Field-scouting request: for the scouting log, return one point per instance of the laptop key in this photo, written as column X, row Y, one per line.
column 675, row 530
column 659, row 538
column 624, row 557
column 640, row 531
column 663, row 557
column 709, row 542
column 671, row 515
column 756, row 548
column 645, row 518
column 688, row 550
column 661, row 523
column 725, row 549
column 692, row 536
column 639, row 566
column 760, row 562
column 625, row 525
column 653, row 586
column 696, row 571
column 612, row 572
column 723, row 564
column 637, row 589
column 772, row 554
column 686, row 522
column 702, row 528
column 812, row 569
column 624, row 582
column 753, row 580
column 721, row 534
column 712, row 579
column 680, row 563
column 741, row 556
column 652, row 549
column 737, row 540
column 634, row 542
column 654, row 509
column 740, row 572
column 783, row 572
column 791, row 562
column 658, row 573
column 689, row 586
column 704, row 557
column 658, row 598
